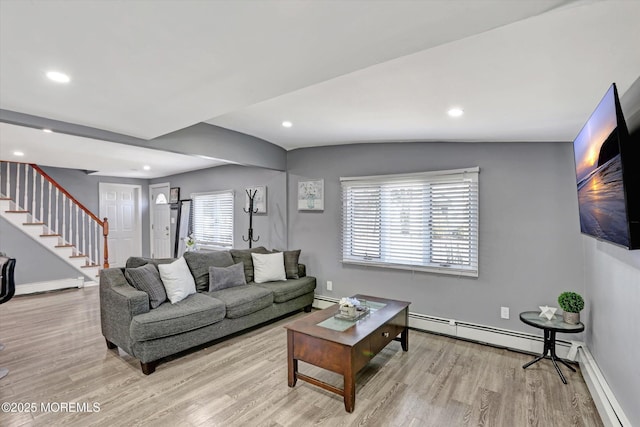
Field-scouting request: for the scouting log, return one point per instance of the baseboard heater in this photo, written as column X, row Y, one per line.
column 608, row 407
column 489, row 335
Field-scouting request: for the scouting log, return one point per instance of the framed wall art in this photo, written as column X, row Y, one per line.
column 311, row 195
column 174, row 195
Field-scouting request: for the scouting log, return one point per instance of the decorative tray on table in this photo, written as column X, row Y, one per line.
column 360, row 312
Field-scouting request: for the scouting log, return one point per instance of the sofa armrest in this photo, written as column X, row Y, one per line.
column 119, row 303
column 302, row 270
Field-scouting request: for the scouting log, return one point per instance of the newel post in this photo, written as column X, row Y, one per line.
column 105, row 234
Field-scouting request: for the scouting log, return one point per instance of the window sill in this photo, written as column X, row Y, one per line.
column 449, row 271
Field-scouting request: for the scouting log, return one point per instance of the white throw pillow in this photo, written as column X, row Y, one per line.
column 177, row 280
column 268, row 267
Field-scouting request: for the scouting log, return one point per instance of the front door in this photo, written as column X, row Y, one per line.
column 160, row 217
column 120, row 203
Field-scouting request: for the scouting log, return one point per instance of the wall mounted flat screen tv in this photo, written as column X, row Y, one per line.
column 608, row 175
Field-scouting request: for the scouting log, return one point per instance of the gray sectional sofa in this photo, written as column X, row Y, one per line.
column 150, row 334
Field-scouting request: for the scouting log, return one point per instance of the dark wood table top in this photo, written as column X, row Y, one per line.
column 363, row 327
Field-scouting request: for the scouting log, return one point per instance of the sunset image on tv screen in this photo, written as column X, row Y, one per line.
column 599, row 175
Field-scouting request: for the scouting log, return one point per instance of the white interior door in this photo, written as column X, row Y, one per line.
column 160, row 220
column 120, row 203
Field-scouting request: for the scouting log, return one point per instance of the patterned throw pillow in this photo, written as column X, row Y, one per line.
column 226, row 277
column 147, row 279
column 291, row 260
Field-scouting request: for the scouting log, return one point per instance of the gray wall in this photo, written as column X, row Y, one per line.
column 34, row 263
column 530, row 242
column 270, row 227
column 220, row 143
column 612, row 328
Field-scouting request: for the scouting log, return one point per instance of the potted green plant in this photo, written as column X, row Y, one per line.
column 571, row 303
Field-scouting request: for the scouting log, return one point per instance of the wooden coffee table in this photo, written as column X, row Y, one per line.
column 345, row 347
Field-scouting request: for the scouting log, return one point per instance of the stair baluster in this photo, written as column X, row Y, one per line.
column 17, row 193
column 41, row 196
column 79, row 226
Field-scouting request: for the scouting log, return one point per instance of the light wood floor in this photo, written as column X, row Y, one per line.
column 56, row 353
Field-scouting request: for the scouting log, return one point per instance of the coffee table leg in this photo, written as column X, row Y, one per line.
column 404, row 339
column 349, row 391
column 292, row 364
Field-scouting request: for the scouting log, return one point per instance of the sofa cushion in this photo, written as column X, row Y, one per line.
column 287, row 290
column 268, row 267
column 195, row 311
column 244, row 256
column 146, row 278
column 177, row 279
column 138, row 261
column 226, row 277
column 199, row 263
column 243, row 300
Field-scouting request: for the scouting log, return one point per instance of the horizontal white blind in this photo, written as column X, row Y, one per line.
column 424, row 221
column 212, row 218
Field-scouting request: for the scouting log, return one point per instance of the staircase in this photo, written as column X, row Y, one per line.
column 44, row 211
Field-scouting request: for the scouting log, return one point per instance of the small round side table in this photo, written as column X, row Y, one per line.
column 550, row 327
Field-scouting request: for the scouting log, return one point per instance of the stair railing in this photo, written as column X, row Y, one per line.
column 33, row 190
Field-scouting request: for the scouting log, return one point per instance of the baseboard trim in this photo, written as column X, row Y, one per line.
column 50, row 285
column 608, row 407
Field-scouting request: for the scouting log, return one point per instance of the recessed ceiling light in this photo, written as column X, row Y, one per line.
column 146, row 167
column 18, row 153
column 455, row 112
column 287, row 124
column 58, row 77
column 47, row 131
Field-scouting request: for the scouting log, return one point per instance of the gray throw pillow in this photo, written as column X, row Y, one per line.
column 291, row 263
column 137, row 261
column 244, row 256
column 199, row 263
column 226, row 277
column 147, row 279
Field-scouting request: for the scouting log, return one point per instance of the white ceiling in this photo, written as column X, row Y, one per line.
column 341, row 71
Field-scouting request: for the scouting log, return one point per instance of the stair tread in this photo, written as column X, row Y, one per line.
column 65, row 246
column 78, row 256
column 33, row 223
column 18, row 212
column 49, row 235
column 90, row 266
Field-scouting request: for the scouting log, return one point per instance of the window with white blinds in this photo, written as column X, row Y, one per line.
column 423, row 221
column 212, row 219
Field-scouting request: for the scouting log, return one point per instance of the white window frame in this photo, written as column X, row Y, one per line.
column 224, row 218
column 391, row 221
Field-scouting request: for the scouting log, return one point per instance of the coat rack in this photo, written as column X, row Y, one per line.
column 251, row 211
